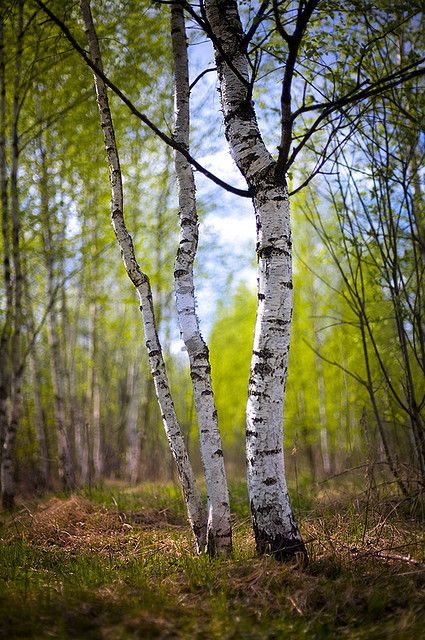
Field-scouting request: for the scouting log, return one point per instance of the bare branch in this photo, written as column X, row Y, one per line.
column 245, row 193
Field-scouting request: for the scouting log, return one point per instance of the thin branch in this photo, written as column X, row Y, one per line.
column 245, row 193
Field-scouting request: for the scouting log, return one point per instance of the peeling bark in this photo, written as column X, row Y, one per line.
column 219, row 534
column 274, row 526
column 141, row 282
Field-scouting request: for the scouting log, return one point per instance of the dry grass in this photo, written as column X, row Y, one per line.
column 115, row 567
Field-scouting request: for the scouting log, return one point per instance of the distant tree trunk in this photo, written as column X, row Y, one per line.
column 219, row 534
column 324, row 436
column 274, row 526
column 39, row 417
column 6, row 329
column 94, row 397
column 66, row 466
column 132, row 416
column 7, row 477
column 141, row 282
column 40, row 424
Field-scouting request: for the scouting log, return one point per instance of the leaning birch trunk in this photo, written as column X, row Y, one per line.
column 196, row 512
column 274, row 526
column 219, row 533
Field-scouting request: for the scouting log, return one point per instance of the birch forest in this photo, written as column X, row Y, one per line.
column 212, row 319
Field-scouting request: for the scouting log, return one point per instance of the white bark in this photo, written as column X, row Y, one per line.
column 274, row 526
column 141, row 282
column 219, row 534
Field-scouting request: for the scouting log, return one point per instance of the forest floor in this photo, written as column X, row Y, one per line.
column 118, row 563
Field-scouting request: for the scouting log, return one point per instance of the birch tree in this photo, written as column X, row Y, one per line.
column 140, row 280
column 219, row 535
column 274, row 525
column 321, row 109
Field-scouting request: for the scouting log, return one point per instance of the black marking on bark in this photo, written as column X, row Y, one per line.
column 178, row 273
column 284, row 548
column 280, row 322
column 153, row 353
column 204, row 353
column 261, row 296
column 269, row 452
column 207, row 392
column 262, row 368
column 243, row 111
column 268, row 252
column 218, row 453
column 264, row 510
column 287, row 285
column 270, row 481
column 264, row 353
column 251, row 434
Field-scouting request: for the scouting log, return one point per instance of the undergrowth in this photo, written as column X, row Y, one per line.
column 118, row 563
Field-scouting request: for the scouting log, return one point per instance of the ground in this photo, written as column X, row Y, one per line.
column 118, row 563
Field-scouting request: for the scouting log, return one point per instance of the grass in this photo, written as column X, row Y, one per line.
column 117, row 563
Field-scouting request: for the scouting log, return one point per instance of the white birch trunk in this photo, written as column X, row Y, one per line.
column 274, row 526
column 141, row 282
column 219, row 534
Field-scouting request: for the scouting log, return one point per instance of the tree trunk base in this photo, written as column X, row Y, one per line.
column 8, row 501
column 282, row 548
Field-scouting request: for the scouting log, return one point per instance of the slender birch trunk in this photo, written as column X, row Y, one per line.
column 7, row 478
column 141, row 282
column 219, row 534
column 274, row 526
